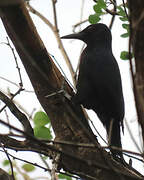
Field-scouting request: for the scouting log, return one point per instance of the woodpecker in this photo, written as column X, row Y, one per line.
column 99, row 84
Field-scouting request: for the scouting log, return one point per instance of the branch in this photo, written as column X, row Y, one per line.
column 4, row 175
column 15, row 84
column 112, row 12
column 15, row 58
column 56, row 33
column 11, row 165
column 17, row 113
column 32, row 143
column 132, row 137
column 137, row 46
column 113, row 16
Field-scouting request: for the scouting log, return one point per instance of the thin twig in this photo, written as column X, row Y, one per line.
column 92, row 138
column 55, row 167
column 132, row 137
column 131, row 156
column 15, row 84
column 47, row 169
column 39, row 166
column 12, row 135
column 55, row 15
column 31, row 114
column 7, row 118
column 108, row 11
column 17, row 113
column 81, row 12
column 23, row 174
column 61, row 70
column 124, row 5
column 114, row 15
column 18, row 104
column 53, row 148
column 45, row 163
column 60, row 44
column 15, row 58
column 17, row 92
column 11, row 165
column 78, row 24
column 67, row 143
column 98, row 132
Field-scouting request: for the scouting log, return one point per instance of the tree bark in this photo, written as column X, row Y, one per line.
column 4, row 175
column 137, row 41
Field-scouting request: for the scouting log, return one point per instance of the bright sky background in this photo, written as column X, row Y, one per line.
column 68, row 14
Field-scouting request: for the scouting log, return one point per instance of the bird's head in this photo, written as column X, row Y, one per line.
column 95, row 33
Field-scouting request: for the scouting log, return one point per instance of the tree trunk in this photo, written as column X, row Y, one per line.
column 137, row 41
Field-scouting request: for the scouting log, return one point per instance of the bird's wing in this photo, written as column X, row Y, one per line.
column 104, row 78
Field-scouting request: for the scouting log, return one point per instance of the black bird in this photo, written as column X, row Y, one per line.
column 99, row 82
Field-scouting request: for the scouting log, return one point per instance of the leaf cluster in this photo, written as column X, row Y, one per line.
column 121, row 11
column 42, row 125
column 99, row 8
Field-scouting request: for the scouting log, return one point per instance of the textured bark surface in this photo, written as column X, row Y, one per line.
column 4, row 175
column 65, row 117
column 137, row 39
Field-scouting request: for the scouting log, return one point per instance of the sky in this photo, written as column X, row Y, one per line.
column 68, row 14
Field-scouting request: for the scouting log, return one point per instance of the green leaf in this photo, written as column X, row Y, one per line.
column 42, row 132
column 124, row 55
column 41, row 118
column 28, row 167
column 97, row 9
column 93, row 19
column 125, row 35
column 123, row 18
column 125, row 26
column 6, row 162
column 62, row 176
column 99, row 6
column 102, row 4
column 121, row 11
column 15, row 174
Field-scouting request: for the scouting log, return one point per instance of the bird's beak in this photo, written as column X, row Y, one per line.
column 73, row 36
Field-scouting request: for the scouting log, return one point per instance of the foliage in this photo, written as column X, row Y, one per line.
column 62, row 176
column 100, row 10
column 6, row 162
column 28, row 167
column 41, row 120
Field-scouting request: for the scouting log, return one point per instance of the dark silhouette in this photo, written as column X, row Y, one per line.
column 99, row 83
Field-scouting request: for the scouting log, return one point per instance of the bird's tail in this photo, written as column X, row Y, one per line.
column 114, row 137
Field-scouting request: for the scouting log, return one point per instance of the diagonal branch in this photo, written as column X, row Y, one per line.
column 54, row 29
column 11, row 165
column 17, row 113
